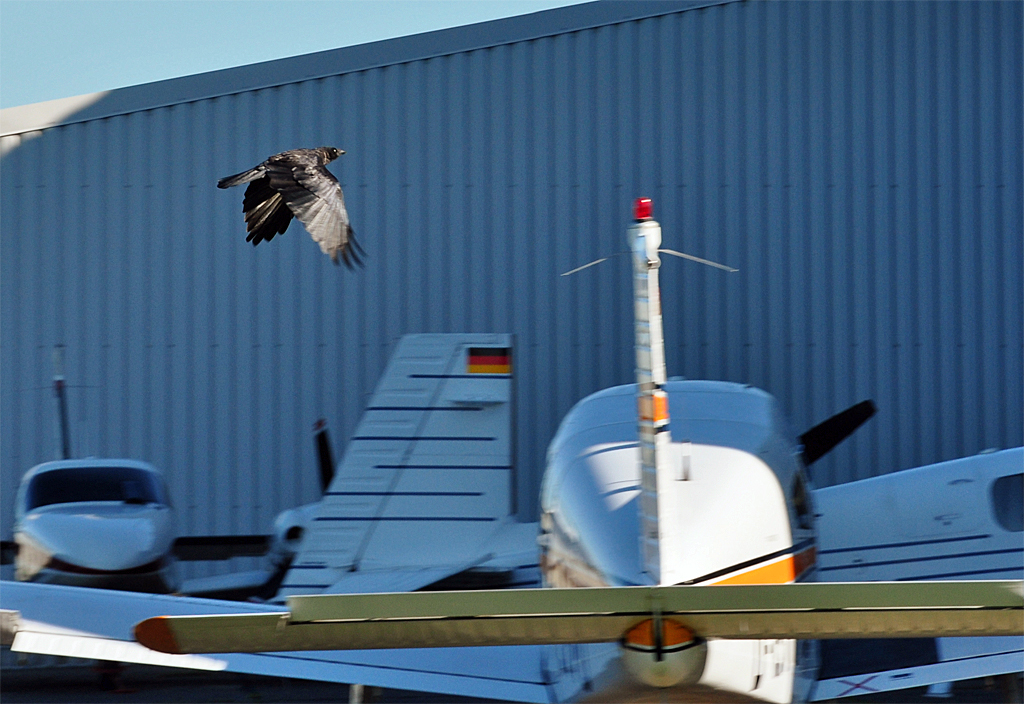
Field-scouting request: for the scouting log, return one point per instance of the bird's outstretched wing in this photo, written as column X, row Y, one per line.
column 314, row 196
column 265, row 211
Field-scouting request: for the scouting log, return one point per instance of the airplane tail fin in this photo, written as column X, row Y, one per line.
column 658, row 544
column 428, row 477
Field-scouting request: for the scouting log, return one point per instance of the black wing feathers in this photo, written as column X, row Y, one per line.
column 266, row 214
column 353, row 254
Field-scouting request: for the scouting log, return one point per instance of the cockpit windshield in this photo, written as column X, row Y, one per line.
column 74, row 484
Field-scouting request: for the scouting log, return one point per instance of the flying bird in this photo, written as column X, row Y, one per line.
column 297, row 184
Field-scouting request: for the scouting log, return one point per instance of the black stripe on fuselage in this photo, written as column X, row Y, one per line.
column 405, row 518
column 928, row 558
column 404, row 493
column 411, row 438
column 424, row 408
column 799, row 547
column 910, row 544
column 460, row 376
column 1017, row 572
column 439, row 466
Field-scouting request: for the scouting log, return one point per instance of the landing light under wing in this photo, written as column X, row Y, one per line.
column 550, row 616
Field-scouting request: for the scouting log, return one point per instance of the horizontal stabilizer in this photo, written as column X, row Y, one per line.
column 547, row 616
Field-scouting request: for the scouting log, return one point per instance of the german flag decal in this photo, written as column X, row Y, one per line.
column 489, row 360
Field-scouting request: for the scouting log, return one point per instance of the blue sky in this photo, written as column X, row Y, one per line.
column 59, row 48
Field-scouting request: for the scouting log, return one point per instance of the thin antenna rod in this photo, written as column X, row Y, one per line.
column 63, row 433
column 581, row 268
column 596, row 261
column 698, row 260
column 673, row 252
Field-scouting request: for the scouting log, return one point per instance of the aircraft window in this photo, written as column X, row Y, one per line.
column 1008, row 501
column 74, row 484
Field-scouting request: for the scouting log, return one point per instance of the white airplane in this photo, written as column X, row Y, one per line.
column 109, row 523
column 670, row 556
column 100, row 523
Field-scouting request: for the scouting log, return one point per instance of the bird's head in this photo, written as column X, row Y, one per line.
column 331, row 153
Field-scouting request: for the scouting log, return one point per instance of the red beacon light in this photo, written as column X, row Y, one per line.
column 643, row 209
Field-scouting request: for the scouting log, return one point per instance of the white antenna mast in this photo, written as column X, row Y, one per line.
column 652, row 402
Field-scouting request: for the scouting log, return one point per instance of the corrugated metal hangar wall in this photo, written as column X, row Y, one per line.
column 860, row 163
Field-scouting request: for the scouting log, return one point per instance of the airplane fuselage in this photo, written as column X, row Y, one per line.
column 738, row 512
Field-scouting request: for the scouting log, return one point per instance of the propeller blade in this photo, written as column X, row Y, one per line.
column 820, row 439
column 324, row 456
column 8, row 551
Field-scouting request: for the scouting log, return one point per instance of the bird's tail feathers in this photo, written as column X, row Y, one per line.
column 244, row 177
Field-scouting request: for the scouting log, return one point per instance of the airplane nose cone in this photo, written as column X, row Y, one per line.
column 104, row 540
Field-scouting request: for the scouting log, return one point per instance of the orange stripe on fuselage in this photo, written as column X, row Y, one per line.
column 781, row 571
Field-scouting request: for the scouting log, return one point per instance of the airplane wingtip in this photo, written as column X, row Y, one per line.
column 156, row 634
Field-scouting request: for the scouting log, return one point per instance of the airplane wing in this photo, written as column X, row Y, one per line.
column 97, row 623
column 854, row 667
column 953, row 520
column 602, row 614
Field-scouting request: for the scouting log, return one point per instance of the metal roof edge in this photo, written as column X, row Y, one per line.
column 39, row 116
column 334, row 62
